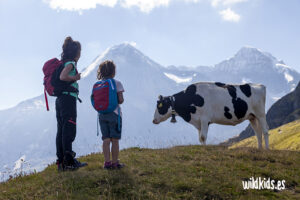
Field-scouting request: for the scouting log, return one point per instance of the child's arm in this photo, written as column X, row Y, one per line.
column 64, row 76
column 120, row 97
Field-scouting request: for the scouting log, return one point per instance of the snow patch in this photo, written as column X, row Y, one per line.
column 132, row 43
column 293, row 87
column 149, row 62
column 276, row 98
column 283, row 65
column 288, row 77
column 178, row 79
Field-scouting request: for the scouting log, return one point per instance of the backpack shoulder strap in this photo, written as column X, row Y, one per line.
column 113, row 83
column 73, row 63
column 69, row 62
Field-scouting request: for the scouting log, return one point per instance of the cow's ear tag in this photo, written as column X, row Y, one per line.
column 160, row 105
column 173, row 119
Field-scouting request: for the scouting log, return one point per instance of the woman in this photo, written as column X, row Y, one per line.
column 66, row 111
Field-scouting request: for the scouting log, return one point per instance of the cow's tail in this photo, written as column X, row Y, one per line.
column 264, row 91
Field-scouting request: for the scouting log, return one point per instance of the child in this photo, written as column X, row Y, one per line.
column 66, row 112
column 109, row 122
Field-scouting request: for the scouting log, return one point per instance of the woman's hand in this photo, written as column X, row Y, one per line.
column 77, row 76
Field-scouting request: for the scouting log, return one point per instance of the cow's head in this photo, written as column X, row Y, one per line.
column 163, row 110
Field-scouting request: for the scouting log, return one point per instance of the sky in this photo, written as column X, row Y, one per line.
column 171, row 32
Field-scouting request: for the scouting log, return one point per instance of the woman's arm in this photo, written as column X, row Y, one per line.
column 64, row 76
column 120, row 97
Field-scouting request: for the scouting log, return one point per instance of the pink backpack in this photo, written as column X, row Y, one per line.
column 52, row 83
column 49, row 68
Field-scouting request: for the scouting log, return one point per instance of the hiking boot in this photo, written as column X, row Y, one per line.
column 107, row 165
column 71, row 163
column 70, row 168
column 60, row 166
column 74, row 165
column 79, row 164
column 117, row 165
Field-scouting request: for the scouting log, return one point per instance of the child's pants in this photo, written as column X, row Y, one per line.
column 66, row 127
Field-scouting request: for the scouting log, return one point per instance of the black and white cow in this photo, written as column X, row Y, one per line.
column 202, row 104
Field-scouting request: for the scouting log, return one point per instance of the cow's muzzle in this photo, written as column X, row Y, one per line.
column 155, row 121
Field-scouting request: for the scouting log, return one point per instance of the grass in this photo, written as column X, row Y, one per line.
column 286, row 137
column 184, row 172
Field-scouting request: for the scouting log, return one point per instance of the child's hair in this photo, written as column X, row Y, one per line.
column 106, row 70
column 71, row 49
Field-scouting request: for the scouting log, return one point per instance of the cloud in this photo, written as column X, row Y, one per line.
column 145, row 5
column 229, row 15
column 80, row 5
column 216, row 3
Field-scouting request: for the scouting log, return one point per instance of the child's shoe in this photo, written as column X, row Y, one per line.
column 117, row 165
column 71, row 163
column 79, row 164
column 107, row 165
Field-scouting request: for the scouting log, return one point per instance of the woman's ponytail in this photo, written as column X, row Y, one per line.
column 70, row 49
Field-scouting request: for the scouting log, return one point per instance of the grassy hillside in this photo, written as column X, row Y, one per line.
column 185, row 172
column 284, row 137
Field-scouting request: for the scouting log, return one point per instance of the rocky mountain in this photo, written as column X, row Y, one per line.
column 247, row 65
column 283, row 111
column 28, row 131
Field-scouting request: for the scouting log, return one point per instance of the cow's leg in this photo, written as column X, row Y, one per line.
column 264, row 127
column 257, row 130
column 203, row 132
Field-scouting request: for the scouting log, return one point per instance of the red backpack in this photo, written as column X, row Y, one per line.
column 49, row 67
column 52, row 83
column 104, row 96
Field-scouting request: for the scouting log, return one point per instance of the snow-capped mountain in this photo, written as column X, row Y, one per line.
column 248, row 65
column 28, row 130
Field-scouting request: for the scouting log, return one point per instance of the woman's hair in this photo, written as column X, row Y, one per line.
column 107, row 69
column 71, row 49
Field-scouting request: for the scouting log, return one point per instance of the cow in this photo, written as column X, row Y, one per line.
column 204, row 103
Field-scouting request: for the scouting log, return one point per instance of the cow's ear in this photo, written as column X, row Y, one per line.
column 160, row 97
